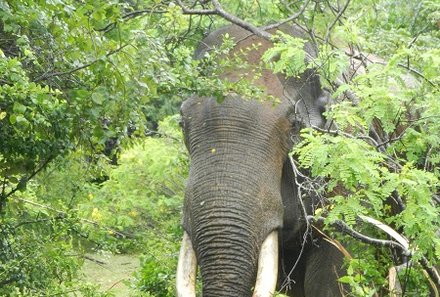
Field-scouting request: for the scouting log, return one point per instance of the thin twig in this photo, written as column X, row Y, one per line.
column 306, row 233
column 394, row 139
column 348, row 135
column 340, row 13
column 187, row 10
column 115, row 284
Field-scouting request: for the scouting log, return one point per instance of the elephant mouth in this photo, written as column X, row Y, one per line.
column 266, row 274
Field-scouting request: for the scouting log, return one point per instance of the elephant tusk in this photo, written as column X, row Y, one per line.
column 267, row 267
column 186, row 269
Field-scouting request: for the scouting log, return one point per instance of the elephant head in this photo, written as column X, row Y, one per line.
column 240, row 201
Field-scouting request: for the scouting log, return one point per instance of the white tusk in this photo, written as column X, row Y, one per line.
column 387, row 229
column 267, row 267
column 186, row 269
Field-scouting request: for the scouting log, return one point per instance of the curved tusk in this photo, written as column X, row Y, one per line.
column 186, row 269
column 267, row 267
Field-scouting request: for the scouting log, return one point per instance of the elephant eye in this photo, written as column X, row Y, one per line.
column 296, row 127
column 181, row 120
column 322, row 109
column 324, row 100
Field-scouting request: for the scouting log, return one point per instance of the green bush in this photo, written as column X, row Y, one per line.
column 37, row 255
column 64, row 213
column 142, row 199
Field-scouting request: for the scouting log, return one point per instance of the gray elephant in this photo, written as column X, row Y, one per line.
column 243, row 219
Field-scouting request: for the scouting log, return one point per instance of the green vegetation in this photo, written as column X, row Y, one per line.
column 92, row 158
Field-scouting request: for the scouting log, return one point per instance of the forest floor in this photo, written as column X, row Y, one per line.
column 112, row 272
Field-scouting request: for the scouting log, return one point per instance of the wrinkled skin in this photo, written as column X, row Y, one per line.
column 241, row 184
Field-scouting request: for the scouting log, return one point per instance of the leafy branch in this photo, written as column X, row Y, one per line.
column 338, row 16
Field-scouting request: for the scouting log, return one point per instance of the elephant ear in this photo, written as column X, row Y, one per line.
column 304, row 91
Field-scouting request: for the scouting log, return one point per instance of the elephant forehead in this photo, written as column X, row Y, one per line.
column 235, row 121
column 247, row 55
column 233, row 108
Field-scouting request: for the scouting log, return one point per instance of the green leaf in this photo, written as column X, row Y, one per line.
column 98, row 98
column 13, row 119
column 19, row 108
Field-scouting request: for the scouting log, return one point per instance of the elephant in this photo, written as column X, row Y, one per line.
column 243, row 218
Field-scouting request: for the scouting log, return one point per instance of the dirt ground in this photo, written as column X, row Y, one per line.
column 112, row 272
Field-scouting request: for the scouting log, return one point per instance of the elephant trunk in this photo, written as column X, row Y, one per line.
column 265, row 281
column 228, row 216
column 232, row 198
column 226, row 245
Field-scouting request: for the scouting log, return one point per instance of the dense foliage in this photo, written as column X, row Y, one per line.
column 89, row 160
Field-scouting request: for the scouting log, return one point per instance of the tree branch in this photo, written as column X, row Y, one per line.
column 128, row 16
column 218, row 10
column 343, row 227
column 187, row 10
column 4, row 197
column 436, row 198
column 289, row 19
column 94, row 260
column 394, row 139
column 61, row 73
column 235, row 20
column 58, row 217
